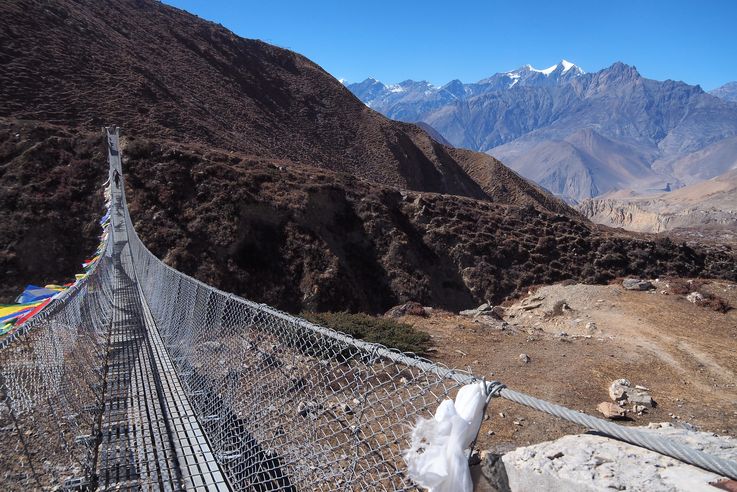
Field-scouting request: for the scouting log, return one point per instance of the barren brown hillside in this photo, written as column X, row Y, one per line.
column 303, row 239
column 160, row 72
column 682, row 352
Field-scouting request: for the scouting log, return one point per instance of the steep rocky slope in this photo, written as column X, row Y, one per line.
column 298, row 237
column 50, row 200
column 161, row 72
column 317, row 240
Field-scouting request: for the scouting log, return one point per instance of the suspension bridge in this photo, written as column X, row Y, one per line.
column 139, row 377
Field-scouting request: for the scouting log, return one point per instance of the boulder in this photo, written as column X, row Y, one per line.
column 618, row 389
column 596, row 463
column 640, row 397
column 410, row 308
column 308, row 408
column 622, row 392
column 695, row 297
column 485, row 309
column 611, row 411
column 636, row 284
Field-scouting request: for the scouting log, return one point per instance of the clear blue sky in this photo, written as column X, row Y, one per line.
column 693, row 41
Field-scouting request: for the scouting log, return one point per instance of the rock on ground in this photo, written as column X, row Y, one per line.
column 622, row 391
column 611, row 411
column 636, row 284
column 486, row 309
column 595, row 463
column 695, row 297
column 408, row 308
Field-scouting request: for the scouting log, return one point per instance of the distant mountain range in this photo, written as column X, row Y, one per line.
column 728, row 92
column 578, row 134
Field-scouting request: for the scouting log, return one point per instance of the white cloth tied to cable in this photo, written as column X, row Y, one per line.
column 437, row 459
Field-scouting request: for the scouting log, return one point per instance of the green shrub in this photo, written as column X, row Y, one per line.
column 372, row 329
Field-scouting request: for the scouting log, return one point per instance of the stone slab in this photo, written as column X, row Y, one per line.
column 595, row 463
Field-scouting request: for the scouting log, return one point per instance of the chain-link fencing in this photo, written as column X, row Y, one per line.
column 51, row 386
column 286, row 404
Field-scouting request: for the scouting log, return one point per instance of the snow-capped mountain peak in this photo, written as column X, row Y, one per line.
column 567, row 65
column 405, row 96
column 546, row 71
column 527, row 75
column 562, row 67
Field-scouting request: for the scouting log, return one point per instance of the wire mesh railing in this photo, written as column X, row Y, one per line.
column 51, row 382
column 283, row 403
column 286, row 404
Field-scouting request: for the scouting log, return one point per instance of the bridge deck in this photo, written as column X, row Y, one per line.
column 151, row 438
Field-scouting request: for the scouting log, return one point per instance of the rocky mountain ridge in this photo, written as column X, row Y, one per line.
column 728, row 92
column 577, row 134
column 412, row 100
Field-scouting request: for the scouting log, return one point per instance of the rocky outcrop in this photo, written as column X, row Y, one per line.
column 623, row 392
column 643, row 217
column 596, row 463
column 637, row 284
column 627, row 215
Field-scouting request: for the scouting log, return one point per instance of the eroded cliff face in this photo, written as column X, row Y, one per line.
column 708, row 205
column 628, row 215
column 655, row 215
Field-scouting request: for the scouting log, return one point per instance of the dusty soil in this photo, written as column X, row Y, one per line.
column 682, row 352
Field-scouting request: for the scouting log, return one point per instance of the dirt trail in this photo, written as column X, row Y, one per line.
column 580, row 338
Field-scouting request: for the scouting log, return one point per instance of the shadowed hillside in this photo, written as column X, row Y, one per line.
column 302, row 239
